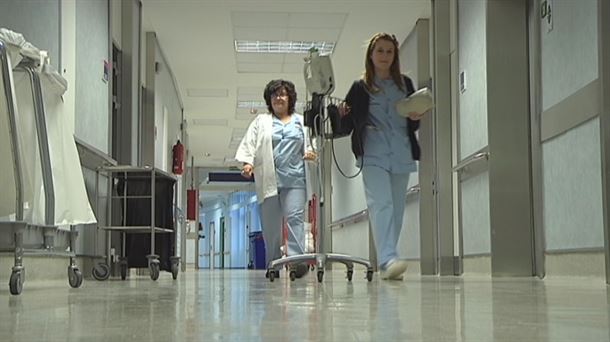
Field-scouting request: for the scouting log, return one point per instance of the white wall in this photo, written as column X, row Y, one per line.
column 472, row 124
column 571, row 161
column 572, row 189
column 348, row 199
column 91, row 90
column 569, row 50
column 471, row 55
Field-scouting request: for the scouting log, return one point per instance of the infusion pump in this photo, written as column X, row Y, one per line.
column 318, row 73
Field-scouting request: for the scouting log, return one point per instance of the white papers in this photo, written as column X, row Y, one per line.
column 419, row 102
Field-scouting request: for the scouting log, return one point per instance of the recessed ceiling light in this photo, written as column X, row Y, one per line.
column 251, row 104
column 267, row 46
column 261, row 104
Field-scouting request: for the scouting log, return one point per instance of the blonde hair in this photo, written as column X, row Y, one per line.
column 369, row 69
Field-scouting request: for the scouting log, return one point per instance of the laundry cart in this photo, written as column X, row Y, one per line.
column 142, row 210
column 41, row 203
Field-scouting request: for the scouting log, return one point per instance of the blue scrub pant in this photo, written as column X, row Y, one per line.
column 385, row 198
column 289, row 204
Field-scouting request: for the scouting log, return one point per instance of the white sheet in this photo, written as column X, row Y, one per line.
column 15, row 43
column 71, row 201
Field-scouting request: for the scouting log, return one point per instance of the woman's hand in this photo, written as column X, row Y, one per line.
column 310, row 155
column 415, row 116
column 344, row 109
column 246, row 170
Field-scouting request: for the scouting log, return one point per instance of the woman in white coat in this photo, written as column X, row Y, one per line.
column 275, row 149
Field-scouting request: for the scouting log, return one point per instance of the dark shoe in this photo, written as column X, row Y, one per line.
column 300, row 270
column 277, row 274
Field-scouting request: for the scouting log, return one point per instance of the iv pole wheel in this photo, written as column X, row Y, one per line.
column 101, row 272
column 16, row 283
column 75, row 277
column 320, row 276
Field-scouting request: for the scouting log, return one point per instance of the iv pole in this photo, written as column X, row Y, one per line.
column 318, row 74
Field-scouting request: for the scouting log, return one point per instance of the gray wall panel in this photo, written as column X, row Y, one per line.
column 475, row 215
column 166, row 95
column 572, row 192
column 347, row 194
column 92, row 108
column 569, row 50
column 471, row 54
column 408, row 243
column 37, row 20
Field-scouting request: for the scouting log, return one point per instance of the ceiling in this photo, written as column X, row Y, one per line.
column 197, row 38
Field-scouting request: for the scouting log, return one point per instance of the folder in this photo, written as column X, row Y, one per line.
column 419, row 102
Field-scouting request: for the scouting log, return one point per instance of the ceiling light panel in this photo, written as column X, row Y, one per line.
column 266, row 46
column 251, row 104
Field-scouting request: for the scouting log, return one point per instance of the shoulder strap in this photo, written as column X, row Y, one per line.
column 408, row 85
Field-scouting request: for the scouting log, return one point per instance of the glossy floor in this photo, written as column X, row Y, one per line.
column 239, row 305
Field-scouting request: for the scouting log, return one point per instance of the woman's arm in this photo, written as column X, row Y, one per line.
column 246, row 152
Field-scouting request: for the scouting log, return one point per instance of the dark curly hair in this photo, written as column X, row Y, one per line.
column 277, row 85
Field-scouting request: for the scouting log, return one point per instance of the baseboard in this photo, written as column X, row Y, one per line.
column 477, row 264
column 575, row 264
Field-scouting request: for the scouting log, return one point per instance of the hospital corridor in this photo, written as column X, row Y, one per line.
column 337, row 170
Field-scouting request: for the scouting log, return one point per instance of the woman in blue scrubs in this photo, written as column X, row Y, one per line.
column 275, row 148
column 384, row 144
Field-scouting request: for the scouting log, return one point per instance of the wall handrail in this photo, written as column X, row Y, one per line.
column 350, row 219
column 473, row 158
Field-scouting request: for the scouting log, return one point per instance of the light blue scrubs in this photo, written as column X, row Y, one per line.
column 386, row 165
column 288, row 149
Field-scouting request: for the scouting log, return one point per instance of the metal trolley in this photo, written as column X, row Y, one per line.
column 131, row 219
column 19, row 227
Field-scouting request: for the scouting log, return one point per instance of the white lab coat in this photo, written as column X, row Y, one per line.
column 256, row 148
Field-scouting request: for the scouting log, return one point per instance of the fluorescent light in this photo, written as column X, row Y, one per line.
column 266, row 46
column 251, row 104
column 262, row 104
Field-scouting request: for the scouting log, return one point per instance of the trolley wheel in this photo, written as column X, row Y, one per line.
column 293, row 275
column 175, row 269
column 154, row 270
column 320, row 276
column 75, row 277
column 369, row 275
column 16, row 283
column 350, row 274
column 101, row 272
column 123, row 271
column 271, row 275
column 312, row 267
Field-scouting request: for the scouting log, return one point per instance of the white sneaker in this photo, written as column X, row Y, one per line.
column 394, row 270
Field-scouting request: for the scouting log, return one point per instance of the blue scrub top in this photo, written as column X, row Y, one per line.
column 288, row 149
column 386, row 143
